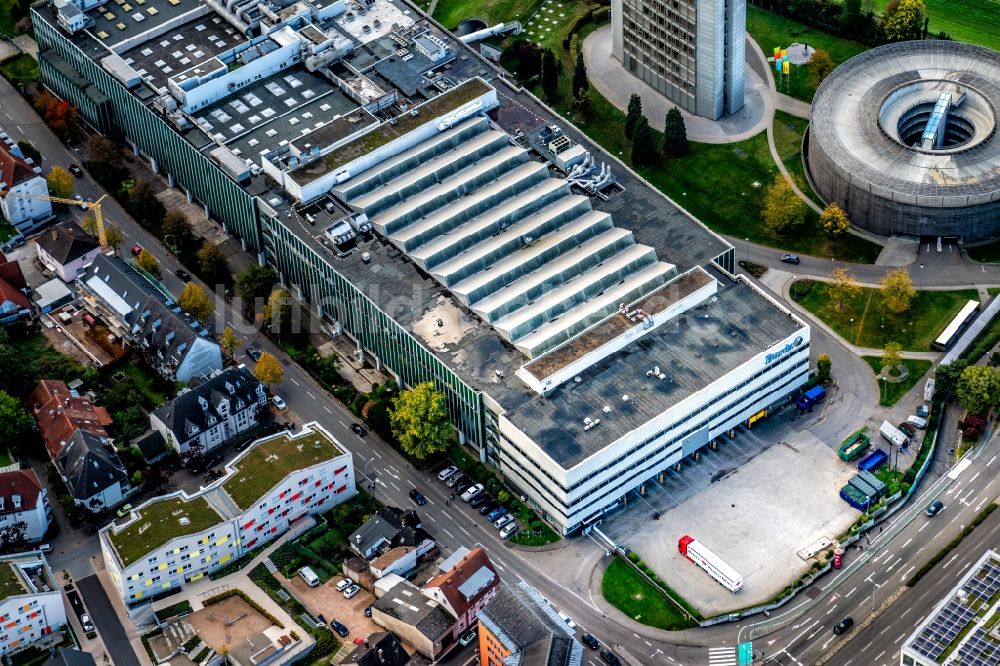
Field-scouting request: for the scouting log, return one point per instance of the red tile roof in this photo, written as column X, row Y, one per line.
column 449, row 582
column 13, row 169
column 12, row 281
column 59, row 414
column 22, row 482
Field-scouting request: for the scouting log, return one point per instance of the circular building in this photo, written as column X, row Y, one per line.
column 904, row 138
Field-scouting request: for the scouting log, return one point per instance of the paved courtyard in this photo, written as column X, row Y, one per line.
column 757, row 502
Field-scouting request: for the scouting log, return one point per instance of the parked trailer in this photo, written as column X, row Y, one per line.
column 873, row 460
column 716, row 567
column 893, row 435
column 854, row 446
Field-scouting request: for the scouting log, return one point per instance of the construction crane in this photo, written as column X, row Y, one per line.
column 94, row 206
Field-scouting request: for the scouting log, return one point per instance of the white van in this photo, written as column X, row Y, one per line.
column 309, row 576
column 917, row 422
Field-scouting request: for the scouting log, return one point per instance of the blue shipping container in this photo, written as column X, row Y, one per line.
column 873, row 460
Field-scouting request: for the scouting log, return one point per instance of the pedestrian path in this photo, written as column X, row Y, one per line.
column 722, row 656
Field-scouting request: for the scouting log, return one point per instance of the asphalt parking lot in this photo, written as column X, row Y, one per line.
column 768, row 501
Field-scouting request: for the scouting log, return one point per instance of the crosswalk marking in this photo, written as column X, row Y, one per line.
column 722, row 656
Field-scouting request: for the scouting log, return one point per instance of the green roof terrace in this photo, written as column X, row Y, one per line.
column 389, row 131
column 271, row 460
column 159, row 521
column 10, row 581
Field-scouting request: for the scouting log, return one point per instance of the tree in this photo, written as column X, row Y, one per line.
column 994, row 361
column 823, row 367
column 820, row 65
column 978, row 388
column 580, row 82
column 212, row 262
column 268, row 370
column 633, row 114
column 29, row 150
column 946, row 378
column 783, row 210
column 278, row 310
column 643, row 150
column 550, row 74
column 842, row 287
column 147, row 262
column 419, row 421
column 113, row 235
column 834, row 220
column 105, row 163
column 13, row 537
column 675, row 140
column 903, row 20
column 892, row 355
column 526, row 59
column 176, row 225
column 229, row 342
column 253, row 285
column 195, row 302
column 15, row 422
column 898, row 291
column 60, row 182
column 59, row 115
column 142, row 204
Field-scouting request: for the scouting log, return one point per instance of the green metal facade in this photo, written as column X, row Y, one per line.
column 225, row 199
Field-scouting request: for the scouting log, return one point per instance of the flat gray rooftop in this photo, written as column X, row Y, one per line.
column 118, row 20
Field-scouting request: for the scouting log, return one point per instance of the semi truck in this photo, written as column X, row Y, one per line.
column 893, row 435
column 813, row 396
column 716, row 567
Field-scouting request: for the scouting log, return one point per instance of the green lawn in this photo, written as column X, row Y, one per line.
column 10, row 582
column 987, row 254
column 770, row 31
column 788, row 132
column 21, row 70
column 890, row 392
column 564, row 17
column 452, row 12
column 144, row 382
column 158, row 523
column 993, row 291
column 5, row 459
column 630, row 593
column 866, row 323
column 976, row 21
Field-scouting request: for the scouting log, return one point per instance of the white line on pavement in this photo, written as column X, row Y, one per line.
column 431, row 517
column 908, row 542
column 448, row 533
column 327, row 409
column 393, row 484
column 950, row 561
column 464, row 530
column 292, row 380
column 851, row 592
column 991, row 461
column 907, row 572
column 309, row 393
column 922, row 528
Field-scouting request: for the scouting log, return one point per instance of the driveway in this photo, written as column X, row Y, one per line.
column 107, row 622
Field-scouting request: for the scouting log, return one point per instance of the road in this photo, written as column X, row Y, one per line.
column 107, row 622
column 458, row 525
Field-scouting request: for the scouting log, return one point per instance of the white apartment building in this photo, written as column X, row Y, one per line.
column 31, row 606
column 178, row 538
column 20, row 176
column 23, row 500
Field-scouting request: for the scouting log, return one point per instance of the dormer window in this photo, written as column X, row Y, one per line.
column 193, row 431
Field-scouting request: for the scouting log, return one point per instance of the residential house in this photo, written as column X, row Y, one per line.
column 211, row 413
column 176, row 345
column 67, row 250
column 69, row 657
column 31, row 603
column 421, row 622
column 14, row 304
column 174, row 539
column 93, row 472
column 465, row 588
column 61, row 411
column 19, row 175
column 379, row 649
column 518, row 626
column 151, row 445
column 23, row 500
column 51, row 295
column 401, row 560
column 388, row 528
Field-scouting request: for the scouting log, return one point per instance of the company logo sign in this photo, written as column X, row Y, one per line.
column 775, row 355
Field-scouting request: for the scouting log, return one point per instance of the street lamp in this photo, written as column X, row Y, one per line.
column 884, row 380
column 853, row 337
column 920, row 278
column 747, row 240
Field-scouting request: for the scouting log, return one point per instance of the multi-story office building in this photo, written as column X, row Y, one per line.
column 31, row 604
column 586, row 332
column 690, row 51
column 178, row 538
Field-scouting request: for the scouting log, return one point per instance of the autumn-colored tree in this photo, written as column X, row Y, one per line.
column 842, row 287
column 229, row 341
column 177, row 227
column 834, row 220
column 903, row 20
column 419, row 420
column 268, row 370
column 278, row 310
column 897, row 291
column 104, row 161
column 195, row 302
column 147, row 262
column 820, row 65
column 892, row 355
column 113, row 235
column 59, row 115
column 783, row 210
column 823, row 367
column 60, row 182
column 212, row 262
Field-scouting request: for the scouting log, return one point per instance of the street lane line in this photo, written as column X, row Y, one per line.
column 851, row 592
column 309, row 393
column 908, row 542
column 905, row 612
column 448, row 533
column 950, row 561
column 431, row 517
column 376, row 453
column 991, row 461
column 974, row 476
column 464, row 530
column 393, row 484
column 292, row 380
column 327, row 409
column 980, row 505
column 922, row 527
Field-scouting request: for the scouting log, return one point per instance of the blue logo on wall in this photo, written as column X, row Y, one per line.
column 775, row 355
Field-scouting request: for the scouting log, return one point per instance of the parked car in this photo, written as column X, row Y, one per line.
column 447, row 473
column 75, row 170
column 923, row 411
column 496, row 513
column 567, row 619
column 136, row 249
column 472, row 491
column 479, row 500
column 454, row 479
column 843, row 625
column 908, row 428
column 79, row 200
column 463, row 485
column 339, row 628
column 590, row 641
column 368, row 611
column 46, row 547
column 934, row 508
column 609, row 657
column 467, row 637
column 488, row 507
column 509, row 530
column 124, row 511
column 918, row 422
column 503, row 520
column 791, row 259
column 419, row 499
column 322, row 620
column 183, row 275
column 278, row 402
column 85, row 622
column 343, row 584
column 351, row 591
column 253, row 353
column 358, row 429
